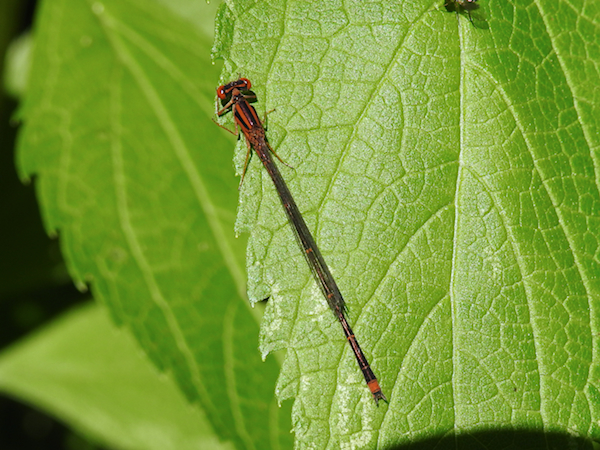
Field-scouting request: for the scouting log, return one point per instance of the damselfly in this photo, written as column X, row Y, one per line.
column 237, row 94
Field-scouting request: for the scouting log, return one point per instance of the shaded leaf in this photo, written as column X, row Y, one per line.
column 92, row 376
column 137, row 181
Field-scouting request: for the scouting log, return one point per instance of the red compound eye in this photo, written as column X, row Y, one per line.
column 246, row 82
column 221, row 92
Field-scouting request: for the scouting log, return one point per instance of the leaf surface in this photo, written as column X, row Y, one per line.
column 449, row 175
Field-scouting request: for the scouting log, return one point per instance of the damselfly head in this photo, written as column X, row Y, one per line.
column 224, row 91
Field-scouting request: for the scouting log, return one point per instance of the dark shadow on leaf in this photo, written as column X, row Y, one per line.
column 502, row 440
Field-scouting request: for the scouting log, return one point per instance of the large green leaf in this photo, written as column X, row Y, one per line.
column 448, row 173
column 138, row 182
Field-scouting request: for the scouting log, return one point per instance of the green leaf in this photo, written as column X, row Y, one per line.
column 93, row 376
column 449, row 175
column 138, row 182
